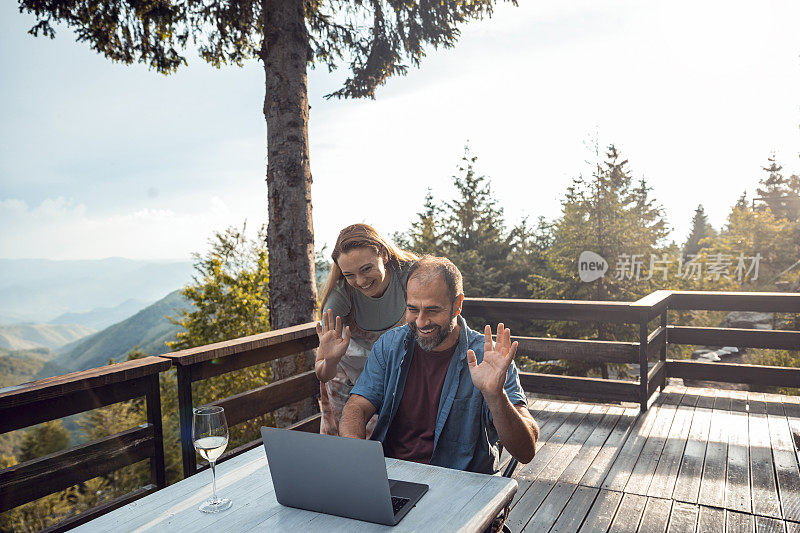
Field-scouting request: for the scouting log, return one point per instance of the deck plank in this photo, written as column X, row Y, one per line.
column 527, row 505
column 604, row 460
column 666, row 471
column 711, row 520
column 763, row 486
column 602, row 512
column 554, row 442
column 784, row 455
column 629, row 513
column 549, row 511
column 769, row 525
column 578, row 466
column 575, row 511
column 737, row 477
column 646, row 463
column 687, row 484
column 570, row 449
column 623, row 465
column 683, row 517
column 656, row 516
column 737, row 522
column 551, row 416
column 712, row 484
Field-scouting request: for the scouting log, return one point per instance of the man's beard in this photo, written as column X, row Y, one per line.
column 430, row 343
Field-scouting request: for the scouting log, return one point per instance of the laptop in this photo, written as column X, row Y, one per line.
column 336, row 475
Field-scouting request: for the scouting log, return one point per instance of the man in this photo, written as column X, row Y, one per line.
column 444, row 393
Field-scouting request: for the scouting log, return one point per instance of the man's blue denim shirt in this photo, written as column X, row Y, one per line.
column 464, row 437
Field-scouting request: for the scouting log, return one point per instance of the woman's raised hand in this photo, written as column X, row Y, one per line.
column 332, row 344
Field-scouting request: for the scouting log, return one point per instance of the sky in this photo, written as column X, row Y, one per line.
column 99, row 159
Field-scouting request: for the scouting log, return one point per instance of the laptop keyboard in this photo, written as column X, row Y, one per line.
column 398, row 503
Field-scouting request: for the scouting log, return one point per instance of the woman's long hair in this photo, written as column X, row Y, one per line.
column 362, row 236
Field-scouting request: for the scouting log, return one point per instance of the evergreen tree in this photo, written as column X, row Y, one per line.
column 44, row 439
column 473, row 235
column 425, row 236
column 701, row 229
column 779, row 193
column 611, row 216
column 741, row 203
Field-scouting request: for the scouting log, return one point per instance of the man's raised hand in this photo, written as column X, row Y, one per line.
column 490, row 376
column 332, row 344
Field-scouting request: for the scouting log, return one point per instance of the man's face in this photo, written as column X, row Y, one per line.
column 429, row 311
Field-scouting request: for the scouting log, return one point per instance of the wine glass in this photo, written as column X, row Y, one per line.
column 210, row 435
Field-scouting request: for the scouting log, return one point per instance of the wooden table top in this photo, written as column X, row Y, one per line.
column 456, row 501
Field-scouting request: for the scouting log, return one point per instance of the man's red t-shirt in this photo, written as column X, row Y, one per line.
column 410, row 435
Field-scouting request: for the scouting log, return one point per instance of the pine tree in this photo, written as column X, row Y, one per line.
column 777, row 191
column 612, row 216
column 701, row 229
column 474, row 236
column 741, row 203
column 425, row 236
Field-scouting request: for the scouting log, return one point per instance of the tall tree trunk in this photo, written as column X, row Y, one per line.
column 290, row 233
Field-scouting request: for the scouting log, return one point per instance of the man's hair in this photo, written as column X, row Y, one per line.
column 429, row 266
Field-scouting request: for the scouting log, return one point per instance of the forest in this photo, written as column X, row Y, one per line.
column 608, row 218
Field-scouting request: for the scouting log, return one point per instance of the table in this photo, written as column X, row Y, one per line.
column 456, row 501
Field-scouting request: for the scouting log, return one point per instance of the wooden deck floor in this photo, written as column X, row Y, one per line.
column 698, row 460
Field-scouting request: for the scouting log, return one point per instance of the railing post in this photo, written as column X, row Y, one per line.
column 643, row 363
column 153, row 401
column 185, row 420
column 664, row 348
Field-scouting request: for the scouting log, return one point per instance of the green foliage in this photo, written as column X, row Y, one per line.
column 377, row 39
column 758, row 231
column 230, row 293
column 425, row 236
column 470, row 231
column 230, row 299
column 614, row 217
column 20, row 366
column 780, row 194
column 44, row 439
column 701, row 229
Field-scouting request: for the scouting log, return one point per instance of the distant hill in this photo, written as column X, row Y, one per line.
column 20, row 366
column 39, row 290
column 102, row 317
column 149, row 329
column 31, row 336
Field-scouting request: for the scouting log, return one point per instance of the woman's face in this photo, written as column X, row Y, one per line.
column 365, row 270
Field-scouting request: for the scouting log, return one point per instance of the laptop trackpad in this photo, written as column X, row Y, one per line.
column 406, row 489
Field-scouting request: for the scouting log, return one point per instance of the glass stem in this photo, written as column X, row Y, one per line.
column 213, row 480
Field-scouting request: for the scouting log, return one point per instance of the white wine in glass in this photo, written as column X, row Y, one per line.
column 210, row 435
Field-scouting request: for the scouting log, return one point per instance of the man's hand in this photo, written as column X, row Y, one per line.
column 490, row 376
column 332, row 345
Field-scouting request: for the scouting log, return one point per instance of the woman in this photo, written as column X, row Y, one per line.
column 363, row 297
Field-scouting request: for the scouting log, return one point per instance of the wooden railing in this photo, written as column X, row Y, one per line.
column 212, row 360
column 651, row 345
column 53, row 398
column 639, row 313
column 748, row 338
column 49, row 399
